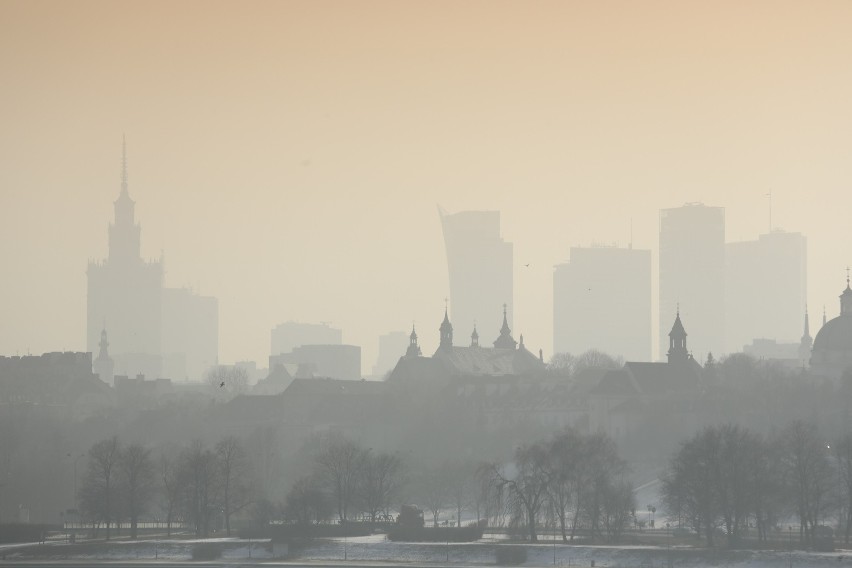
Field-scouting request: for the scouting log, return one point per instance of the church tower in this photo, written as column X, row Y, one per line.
column 124, row 232
column 505, row 341
column 677, row 342
column 806, row 343
column 413, row 348
column 103, row 366
column 846, row 298
column 474, row 337
column 446, row 331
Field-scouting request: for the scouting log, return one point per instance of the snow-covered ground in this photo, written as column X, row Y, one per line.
column 376, row 548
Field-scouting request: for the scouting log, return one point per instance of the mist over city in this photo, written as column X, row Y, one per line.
column 426, row 283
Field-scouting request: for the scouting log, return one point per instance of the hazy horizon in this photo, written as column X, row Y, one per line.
column 288, row 158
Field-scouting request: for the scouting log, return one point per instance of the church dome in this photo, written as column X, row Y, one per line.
column 835, row 335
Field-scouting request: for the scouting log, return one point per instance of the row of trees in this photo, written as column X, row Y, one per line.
column 346, row 479
column 573, row 480
column 726, row 476
column 194, row 484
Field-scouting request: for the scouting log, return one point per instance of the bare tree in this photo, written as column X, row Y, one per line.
column 136, row 481
column 99, row 495
column 381, row 476
column 524, row 485
column 809, row 474
column 200, row 479
column 234, row 477
column 339, row 463
column 432, row 491
column 306, row 502
column 172, row 487
column 596, row 358
column 843, row 449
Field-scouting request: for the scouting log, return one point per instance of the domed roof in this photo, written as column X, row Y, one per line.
column 835, row 335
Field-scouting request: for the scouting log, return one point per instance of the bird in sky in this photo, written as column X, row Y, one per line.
column 222, row 384
column 526, row 265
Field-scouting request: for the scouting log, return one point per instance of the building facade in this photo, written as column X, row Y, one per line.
column 692, row 273
column 602, row 300
column 765, row 289
column 480, row 267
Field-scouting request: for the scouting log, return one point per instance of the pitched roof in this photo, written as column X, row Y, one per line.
column 459, row 361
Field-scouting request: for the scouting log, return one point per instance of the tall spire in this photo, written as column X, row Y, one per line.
column 824, row 319
column 505, row 341
column 123, row 163
column 474, row 337
column 446, row 329
column 806, row 343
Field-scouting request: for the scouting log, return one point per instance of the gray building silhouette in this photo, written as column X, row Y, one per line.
column 480, row 267
column 765, row 289
column 602, row 300
column 692, row 273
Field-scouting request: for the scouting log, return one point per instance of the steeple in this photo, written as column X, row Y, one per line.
column 103, row 366
column 124, row 233
column 474, row 337
column 413, row 349
column 824, row 319
column 846, row 298
column 446, row 330
column 677, row 342
column 807, row 342
column 505, row 341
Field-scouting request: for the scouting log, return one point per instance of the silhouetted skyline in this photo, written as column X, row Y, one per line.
column 291, row 166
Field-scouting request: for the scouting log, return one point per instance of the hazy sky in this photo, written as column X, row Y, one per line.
column 289, row 156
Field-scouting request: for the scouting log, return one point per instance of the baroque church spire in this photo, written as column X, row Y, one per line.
column 446, row 329
column 505, row 341
column 413, row 348
column 474, row 337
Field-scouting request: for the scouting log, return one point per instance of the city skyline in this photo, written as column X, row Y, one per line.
column 277, row 202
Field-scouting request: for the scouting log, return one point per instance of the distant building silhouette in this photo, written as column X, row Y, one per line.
column 332, row 361
column 289, row 335
column 125, row 294
column 623, row 398
column 104, row 366
column 806, row 343
column 391, row 345
column 832, row 351
column 765, row 288
column 602, row 300
column 692, row 272
column 152, row 330
column 480, row 266
column 506, row 358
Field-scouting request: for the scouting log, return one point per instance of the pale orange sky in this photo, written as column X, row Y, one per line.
column 288, row 156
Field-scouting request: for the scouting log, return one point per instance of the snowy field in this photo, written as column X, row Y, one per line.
column 377, row 548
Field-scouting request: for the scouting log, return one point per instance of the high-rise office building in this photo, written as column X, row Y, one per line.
column 765, row 289
column 602, row 300
column 692, row 275
column 480, row 266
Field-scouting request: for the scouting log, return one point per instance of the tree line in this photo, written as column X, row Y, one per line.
column 725, row 477
column 195, row 484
